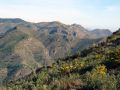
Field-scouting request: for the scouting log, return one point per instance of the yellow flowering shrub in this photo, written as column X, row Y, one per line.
column 98, row 79
column 99, row 72
column 67, row 67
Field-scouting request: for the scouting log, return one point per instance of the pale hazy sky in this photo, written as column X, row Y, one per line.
column 89, row 13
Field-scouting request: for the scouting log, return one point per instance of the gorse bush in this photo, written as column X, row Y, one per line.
column 99, row 79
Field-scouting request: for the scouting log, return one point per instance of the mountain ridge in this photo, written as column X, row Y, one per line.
column 38, row 44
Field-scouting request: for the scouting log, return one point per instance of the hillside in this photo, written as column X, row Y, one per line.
column 95, row 68
column 26, row 46
column 99, row 33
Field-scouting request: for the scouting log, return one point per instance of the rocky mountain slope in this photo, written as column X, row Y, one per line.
column 96, row 68
column 25, row 46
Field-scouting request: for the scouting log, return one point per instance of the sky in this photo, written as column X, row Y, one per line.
column 89, row 13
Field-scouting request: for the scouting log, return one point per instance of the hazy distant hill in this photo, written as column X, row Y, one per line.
column 99, row 33
column 25, row 46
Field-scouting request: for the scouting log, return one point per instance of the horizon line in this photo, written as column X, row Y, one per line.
column 32, row 21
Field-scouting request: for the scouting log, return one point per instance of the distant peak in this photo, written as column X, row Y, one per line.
column 56, row 23
column 102, row 30
column 11, row 20
column 77, row 25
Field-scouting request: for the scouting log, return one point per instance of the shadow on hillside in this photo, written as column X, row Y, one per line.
column 83, row 70
column 112, row 64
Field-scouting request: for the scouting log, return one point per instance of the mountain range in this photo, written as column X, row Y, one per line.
column 95, row 68
column 25, row 46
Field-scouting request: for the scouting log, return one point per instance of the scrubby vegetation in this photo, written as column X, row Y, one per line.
column 96, row 68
